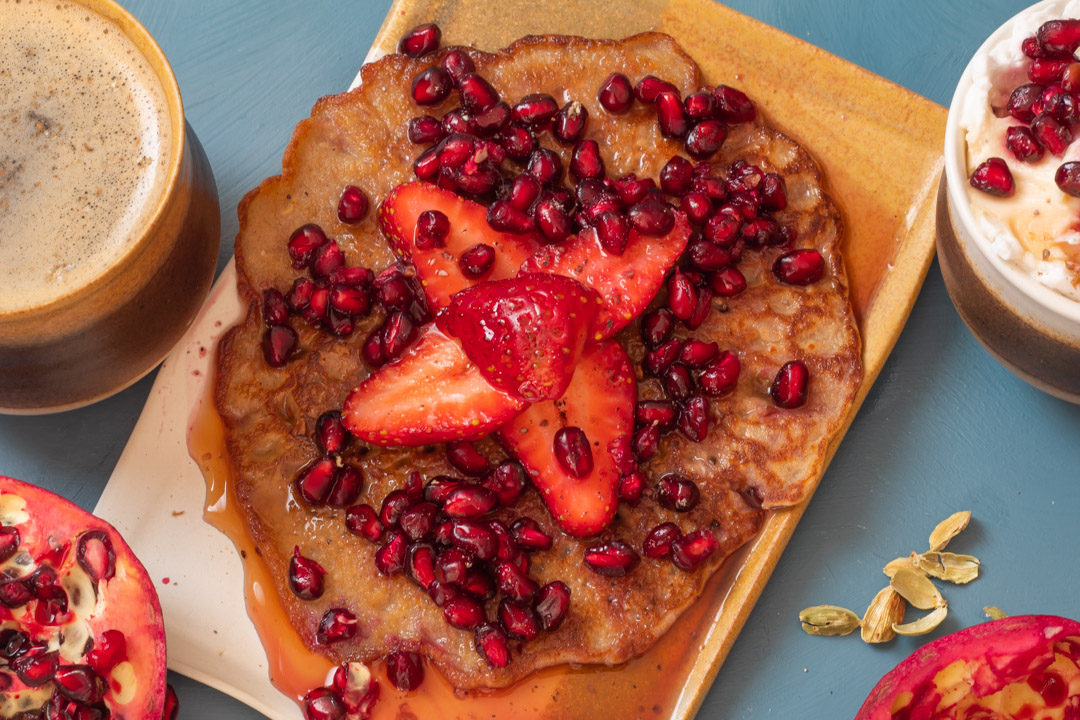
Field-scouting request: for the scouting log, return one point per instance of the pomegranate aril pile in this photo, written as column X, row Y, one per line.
column 1047, row 108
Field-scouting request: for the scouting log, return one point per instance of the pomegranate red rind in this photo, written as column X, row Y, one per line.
column 1024, row 666
column 121, row 599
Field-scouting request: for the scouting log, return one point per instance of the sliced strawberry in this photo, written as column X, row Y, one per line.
column 433, row 393
column 600, row 400
column 627, row 283
column 437, row 267
column 525, row 334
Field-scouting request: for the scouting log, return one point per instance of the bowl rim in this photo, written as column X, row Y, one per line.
column 957, row 180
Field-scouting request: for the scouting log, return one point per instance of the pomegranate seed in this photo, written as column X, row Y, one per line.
column 585, row 161
column 315, row 481
column 52, row 605
column 660, row 413
column 492, row 645
column 421, row 40
column 469, row 501
column 507, row 481
column 439, row 487
column 353, row 205
column 518, row 142
column 299, row 294
column 9, row 541
column 657, row 326
column 1059, row 36
column 545, row 166
column 431, row 86
column 682, row 295
column 613, row 231
column 657, row 543
column 632, row 189
column 694, row 419
column 504, row 217
column 36, row 668
column 337, row 624
column 323, row 704
column 552, row 220
column 456, row 149
column 349, row 301
column 414, row 486
column 362, row 520
column 1022, row 99
column 279, row 344
column 420, row 564
column 464, row 613
column 649, row 88
column 733, row 105
column 1067, row 178
column 404, row 670
column 631, row 487
column 426, row 167
column 372, row 349
column 477, row 95
column 458, row 64
column 305, row 576
column 659, row 360
column 390, row 557
column 353, row 276
column 1070, row 77
column 570, row 122
column 646, row 442
column 348, row 482
column 518, row 620
column 1051, row 135
column 524, row 189
column 676, row 381
column 721, row 375
column 697, row 206
column 473, row 538
column 457, row 121
column 616, row 95
column 760, row 232
column 80, row 683
column 303, row 243
column 492, row 120
column 478, row 180
column 464, row 456
column 478, row 584
column 275, row 310
column 698, row 353
column 315, row 312
column 799, row 267
column 676, row 175
column 529, row 536
column 723, row 227
column 327, row 258
column 1046, row 70
column 670, row 115
column 551, row 604
column 432, row 229
column 993, row 177
column 398, row 333
column 728, row 282
column 573, row 452
column 773, row 192
column 692, row 549
column 789, row 388
column 392, row 291
column 535, row 110
column 705, row 138
column 677, row 492
column 512, row 581
column 393, row 506
column 477, row 260
column 613, row 558
column 425, row 130
column 699, row 105
column 451, row 566
column 707, row 256
column 418, row 521
column 652, row 217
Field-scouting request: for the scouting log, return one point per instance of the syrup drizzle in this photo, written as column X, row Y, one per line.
column 655, row 685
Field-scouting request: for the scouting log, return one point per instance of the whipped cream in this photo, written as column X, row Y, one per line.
column 1038, row 228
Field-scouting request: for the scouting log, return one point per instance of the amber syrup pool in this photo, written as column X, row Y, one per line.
column 656, row 685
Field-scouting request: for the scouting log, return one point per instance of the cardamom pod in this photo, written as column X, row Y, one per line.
column 959, row 569
column 924, row 624
column 917, row 589
column 884, row 611
column 994, row 612
column 828, row 620
column 947, row 529
column 900, row 562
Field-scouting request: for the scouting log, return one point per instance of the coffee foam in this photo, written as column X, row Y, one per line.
column 84, row 148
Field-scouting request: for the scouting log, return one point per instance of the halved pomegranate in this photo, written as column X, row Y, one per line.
column 81, row 623
column 1018, row 667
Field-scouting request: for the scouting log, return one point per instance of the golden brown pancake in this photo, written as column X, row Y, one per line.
column 755, row 453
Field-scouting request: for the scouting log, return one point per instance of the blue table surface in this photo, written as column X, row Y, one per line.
column 945, row 428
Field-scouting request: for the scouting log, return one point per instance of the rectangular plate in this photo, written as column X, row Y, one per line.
column 880, row 148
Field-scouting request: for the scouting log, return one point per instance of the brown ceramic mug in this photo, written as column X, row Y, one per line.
column 86, row 312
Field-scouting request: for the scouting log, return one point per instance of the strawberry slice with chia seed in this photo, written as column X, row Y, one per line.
column 438, row 264
column 600, row 401
column 524, row 334
column 627, row 283
column 432, row 394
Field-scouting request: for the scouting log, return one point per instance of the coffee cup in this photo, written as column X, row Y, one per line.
column 109, row 220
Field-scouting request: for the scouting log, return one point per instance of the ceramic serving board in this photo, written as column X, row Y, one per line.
column 879, row 147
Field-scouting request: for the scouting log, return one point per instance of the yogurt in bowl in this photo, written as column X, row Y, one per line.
column 1012, row 263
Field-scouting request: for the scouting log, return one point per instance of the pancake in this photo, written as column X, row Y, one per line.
column 755, row 456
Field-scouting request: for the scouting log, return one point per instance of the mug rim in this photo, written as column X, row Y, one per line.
column 956, row 180
column 150, row 50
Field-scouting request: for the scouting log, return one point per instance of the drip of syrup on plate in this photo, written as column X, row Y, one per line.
column 634, row 689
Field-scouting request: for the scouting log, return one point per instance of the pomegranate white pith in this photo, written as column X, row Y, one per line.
column 80, row 623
